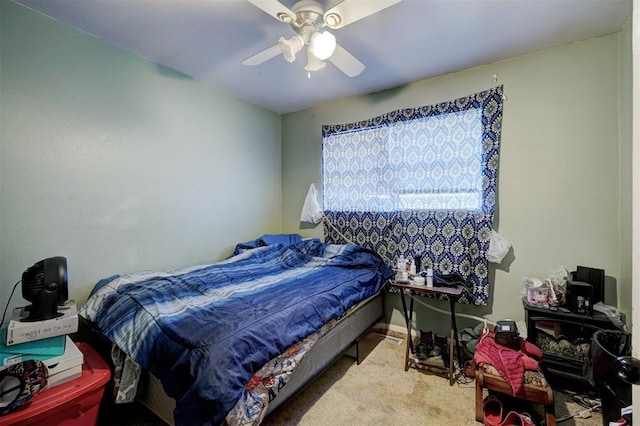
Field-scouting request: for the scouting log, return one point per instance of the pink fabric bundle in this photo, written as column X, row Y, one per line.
column 510, row 363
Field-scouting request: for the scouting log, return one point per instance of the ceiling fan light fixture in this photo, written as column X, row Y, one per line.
column 323, row 44
column 289, row 47
column 313, row 63
column 309, row 19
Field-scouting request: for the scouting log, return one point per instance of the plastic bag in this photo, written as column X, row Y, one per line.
column 498, row 247
column 548, row 292
column 535, row 291
column 311, row 211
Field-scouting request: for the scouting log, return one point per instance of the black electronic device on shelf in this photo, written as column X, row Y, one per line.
column 585, row 288
column 45, row 285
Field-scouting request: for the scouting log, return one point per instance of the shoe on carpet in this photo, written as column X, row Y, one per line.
column 422, row 351
column 492, row 411
column 426, row 338
column 513, row 418
column 441, row 348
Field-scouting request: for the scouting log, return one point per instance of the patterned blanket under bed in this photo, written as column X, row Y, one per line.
column 253, row 405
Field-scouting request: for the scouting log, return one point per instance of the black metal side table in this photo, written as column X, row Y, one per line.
column 452, row 294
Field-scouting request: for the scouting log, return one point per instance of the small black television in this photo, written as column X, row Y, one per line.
column 45, row 285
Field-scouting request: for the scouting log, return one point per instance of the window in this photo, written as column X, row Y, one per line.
column 418, row 181
column 423, row 163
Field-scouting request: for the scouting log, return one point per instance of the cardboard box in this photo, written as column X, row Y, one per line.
column 65, row 367
column 37, row 349
column 20, row 331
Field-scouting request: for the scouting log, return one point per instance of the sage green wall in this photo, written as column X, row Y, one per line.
column 559, row 190
column 121, row 165
column 626, row 169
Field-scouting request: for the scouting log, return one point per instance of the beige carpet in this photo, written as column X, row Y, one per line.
column 380, row 392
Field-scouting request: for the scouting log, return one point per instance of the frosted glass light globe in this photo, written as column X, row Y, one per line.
column 323, row 45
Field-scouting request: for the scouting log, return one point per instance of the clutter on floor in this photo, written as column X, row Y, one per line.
column 432, row 349
column 393, row 396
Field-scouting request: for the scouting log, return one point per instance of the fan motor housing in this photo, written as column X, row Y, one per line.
column 308, row 12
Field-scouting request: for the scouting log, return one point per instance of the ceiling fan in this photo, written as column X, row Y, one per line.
column 308, row 19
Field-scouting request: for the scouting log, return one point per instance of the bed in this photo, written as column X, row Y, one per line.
column 230, row 341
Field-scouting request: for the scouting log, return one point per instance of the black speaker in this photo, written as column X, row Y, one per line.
column 592, row 276
column 580, row 297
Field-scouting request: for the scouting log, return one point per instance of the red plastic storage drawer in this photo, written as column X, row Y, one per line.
column 75, row 403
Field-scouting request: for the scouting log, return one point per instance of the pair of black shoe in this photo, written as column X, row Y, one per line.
column 432, row 346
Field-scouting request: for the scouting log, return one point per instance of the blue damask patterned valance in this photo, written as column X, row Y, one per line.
column 418, row 181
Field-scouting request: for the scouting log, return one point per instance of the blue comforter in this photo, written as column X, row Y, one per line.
column 204, row 330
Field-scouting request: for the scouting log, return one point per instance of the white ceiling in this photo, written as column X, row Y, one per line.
column 410, row 41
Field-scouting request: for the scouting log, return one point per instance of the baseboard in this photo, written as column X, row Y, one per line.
column 397, row 331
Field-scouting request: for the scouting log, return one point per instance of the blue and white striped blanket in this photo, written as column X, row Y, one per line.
column 204, row 330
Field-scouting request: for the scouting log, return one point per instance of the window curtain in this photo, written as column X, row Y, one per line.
column 419, row 181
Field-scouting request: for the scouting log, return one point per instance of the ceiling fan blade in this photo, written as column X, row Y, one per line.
column 275, row 9
column 263, row 56
column 350, row 11
column 346, row 62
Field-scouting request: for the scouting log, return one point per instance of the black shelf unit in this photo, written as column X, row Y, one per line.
column 568, row 367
